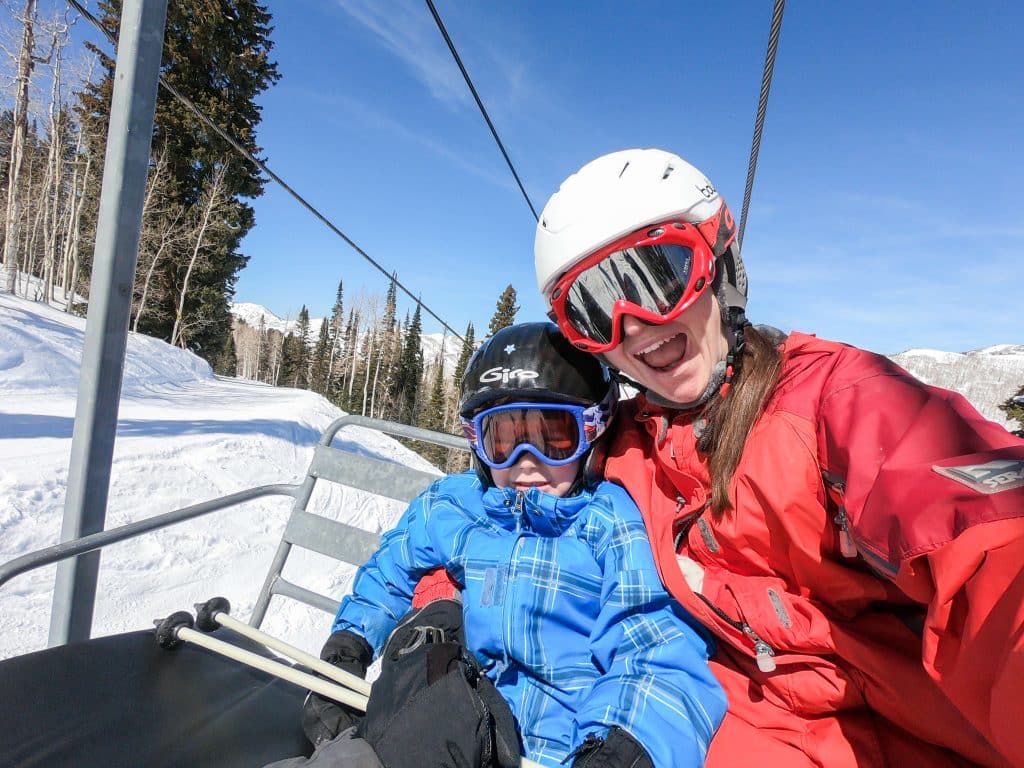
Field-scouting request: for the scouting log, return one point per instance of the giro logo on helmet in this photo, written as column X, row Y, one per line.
column 505, row 375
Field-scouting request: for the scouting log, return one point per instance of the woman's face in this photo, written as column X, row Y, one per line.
column 674, row 360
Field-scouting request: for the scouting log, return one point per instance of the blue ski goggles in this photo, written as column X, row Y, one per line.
column 555, row 433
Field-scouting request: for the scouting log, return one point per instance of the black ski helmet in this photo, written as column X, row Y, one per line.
column 531, row 361
column 535, row 362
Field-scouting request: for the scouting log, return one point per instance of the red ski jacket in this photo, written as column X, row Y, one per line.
column 867, row 589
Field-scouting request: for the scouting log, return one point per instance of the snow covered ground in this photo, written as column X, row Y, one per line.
column 184, row 436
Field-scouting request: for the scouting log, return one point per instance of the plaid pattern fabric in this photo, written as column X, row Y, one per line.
column 563, row 608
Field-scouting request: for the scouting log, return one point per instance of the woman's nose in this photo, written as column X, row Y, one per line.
column 631, row 326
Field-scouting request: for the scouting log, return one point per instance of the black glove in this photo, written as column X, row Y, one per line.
column 617, row 750
column 322, row 718
column 432, row 705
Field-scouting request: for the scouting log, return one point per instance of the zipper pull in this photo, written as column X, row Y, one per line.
column 765, row 656
column 763, row 652
column 680, row 502
column 847, row 546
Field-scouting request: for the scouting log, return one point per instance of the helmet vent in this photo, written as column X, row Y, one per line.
column 623, row 169
column 669, row 170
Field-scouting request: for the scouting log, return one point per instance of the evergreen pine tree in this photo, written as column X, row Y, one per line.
column 289, row 361
column 226, row 363
column 337, row 341
column 300, row 373
column 504, row 311
column 216, row 54
column 410, row 370
column 432, row 415
column 319, row 366
column 263, row 352
column 390, row 349
column 457, row 461
column 468, row 345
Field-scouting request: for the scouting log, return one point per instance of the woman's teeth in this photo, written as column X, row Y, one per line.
column 654, row 346
column 664, row 354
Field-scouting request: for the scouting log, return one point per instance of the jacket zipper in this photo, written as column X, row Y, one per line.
column 836, row 491
column 847, row 546
column 763, row 653
column 517, row 510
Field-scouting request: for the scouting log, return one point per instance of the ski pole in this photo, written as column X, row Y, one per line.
column 178, row 627
column 216, row 612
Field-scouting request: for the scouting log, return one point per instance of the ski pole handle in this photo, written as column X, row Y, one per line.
column 216, row 610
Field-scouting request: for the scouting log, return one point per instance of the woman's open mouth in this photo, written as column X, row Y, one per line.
column 664, row 354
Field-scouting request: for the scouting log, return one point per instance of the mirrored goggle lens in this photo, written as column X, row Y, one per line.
column 653, row 277
column 554, row 433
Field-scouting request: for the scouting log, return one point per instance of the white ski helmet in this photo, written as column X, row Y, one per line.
column 621, row 192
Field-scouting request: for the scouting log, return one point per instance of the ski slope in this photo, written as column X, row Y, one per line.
column 184, row 435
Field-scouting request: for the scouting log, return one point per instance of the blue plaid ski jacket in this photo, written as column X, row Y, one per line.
column 564, row 609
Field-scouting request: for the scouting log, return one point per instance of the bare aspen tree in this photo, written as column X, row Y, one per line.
column 212, row 200
column 73, row 239
column 54, row 192
column 23, row 78
column 77, row 196
column 162, row 232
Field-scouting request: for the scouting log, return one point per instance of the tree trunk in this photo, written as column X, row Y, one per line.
column 177, row 333
column 376, row 379
column 51, row 221
column 20, row 120
column 74, row 228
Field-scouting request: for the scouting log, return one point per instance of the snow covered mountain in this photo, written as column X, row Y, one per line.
column 986, row 377
column 431, row 343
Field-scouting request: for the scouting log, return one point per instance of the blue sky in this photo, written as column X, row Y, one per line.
column 886, row 211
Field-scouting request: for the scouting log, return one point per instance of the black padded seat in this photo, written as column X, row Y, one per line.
column 124, row 701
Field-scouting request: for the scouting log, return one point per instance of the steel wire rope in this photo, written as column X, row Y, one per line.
column 263, row 167
column 480, row 104
column 762, row 107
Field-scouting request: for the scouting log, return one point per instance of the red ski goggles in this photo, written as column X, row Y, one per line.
column 654, row 274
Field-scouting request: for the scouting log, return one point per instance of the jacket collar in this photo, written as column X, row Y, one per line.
column 533, row 510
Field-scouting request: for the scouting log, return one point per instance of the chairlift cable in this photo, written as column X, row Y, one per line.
column 762, row 106
column 480, row 104
column 263, row 167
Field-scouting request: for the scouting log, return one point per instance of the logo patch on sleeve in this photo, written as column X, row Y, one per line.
column 993, row 477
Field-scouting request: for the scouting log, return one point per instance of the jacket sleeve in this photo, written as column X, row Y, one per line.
column 656, row 683
column 934, row 500
column 383, row 587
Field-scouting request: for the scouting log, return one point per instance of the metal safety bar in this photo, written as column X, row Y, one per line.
column 304, row 528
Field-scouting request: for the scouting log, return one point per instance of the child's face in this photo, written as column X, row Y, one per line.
column 530, row 472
